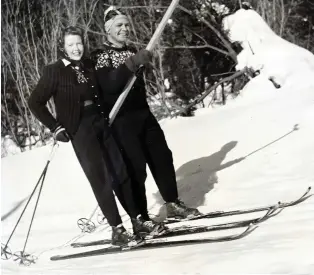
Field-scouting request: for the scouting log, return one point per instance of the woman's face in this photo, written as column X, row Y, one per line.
column 120, row 30
column 73, row 46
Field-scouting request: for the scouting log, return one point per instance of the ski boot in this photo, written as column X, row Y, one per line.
column 179, row 210
column 121, row 237
column 144, row 227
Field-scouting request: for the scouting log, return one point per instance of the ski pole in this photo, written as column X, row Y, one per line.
column 42, row 176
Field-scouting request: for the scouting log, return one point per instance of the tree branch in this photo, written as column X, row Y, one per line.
column 235, row 75
column 209, row 46
column 226, row 43
column 136, row 7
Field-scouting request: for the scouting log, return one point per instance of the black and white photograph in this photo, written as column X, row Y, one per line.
column 157, row 137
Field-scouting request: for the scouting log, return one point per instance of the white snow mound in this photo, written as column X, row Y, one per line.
column 266, row 51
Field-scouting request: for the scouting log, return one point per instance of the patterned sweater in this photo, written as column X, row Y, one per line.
column 113, row 75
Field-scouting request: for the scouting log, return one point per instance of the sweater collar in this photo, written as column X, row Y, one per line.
column 66, row 62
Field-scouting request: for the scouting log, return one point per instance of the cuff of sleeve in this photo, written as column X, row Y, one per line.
column 59, row 130
column 55, row 128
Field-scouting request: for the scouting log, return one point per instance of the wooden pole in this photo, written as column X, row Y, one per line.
column 149, row 47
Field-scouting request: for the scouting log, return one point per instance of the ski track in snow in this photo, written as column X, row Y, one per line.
column 241, row 155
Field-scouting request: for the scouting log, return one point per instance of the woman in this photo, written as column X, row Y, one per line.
column 82, row 119
column 136, row 130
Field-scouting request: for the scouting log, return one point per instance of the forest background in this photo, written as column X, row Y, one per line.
column 194, row 58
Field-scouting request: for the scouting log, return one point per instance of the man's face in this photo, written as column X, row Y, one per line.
column 120, row 30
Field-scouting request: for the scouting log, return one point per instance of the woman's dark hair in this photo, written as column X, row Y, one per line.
column 71, row 30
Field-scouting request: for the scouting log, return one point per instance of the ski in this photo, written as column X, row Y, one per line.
column 217, row 214
column 185, row 230
column 155, row 243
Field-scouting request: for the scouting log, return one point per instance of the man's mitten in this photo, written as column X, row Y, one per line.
column 142, row 57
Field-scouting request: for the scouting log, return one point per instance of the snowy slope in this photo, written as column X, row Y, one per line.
column 222, row 162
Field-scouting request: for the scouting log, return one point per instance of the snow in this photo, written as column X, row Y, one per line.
column 254, row 151
column 264, row 49
column 8, row 146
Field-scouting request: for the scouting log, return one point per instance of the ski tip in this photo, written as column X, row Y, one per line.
column 54, row 258
column 251, row 227
column 306, row 194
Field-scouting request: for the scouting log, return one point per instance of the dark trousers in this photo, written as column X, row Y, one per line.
column 143, row 142
column 103, row 165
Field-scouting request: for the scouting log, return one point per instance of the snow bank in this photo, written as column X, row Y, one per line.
column 266, row 51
